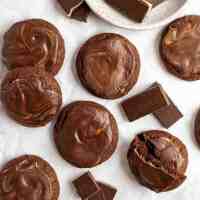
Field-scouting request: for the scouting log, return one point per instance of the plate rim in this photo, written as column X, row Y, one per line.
column 139, row 27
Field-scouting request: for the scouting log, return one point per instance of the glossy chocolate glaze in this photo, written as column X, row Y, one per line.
column 28, row 177
column 158, row 160
column 35, row 43
column 108, row 65
column 31, row 96
column 86, row 134
column 180, row 47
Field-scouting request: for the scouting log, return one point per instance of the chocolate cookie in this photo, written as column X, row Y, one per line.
column 36, row 43
column 108, row 65
column 197, row 127
column 31, row 96
column 180, row 48
column 158, row 160
column 28, row 177
column 86, row 134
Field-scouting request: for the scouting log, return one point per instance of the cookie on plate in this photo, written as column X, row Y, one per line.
column 34, row 43
column 180, row 46
column 86, row 134
column 28, row 177
column 108, row 65
column 31, row 96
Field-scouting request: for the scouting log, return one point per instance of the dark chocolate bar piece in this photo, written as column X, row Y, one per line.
column 168, row 115
column 145, row 103
column 81, row 13
column 136, row 10
column 86, row 186
column 109, row 191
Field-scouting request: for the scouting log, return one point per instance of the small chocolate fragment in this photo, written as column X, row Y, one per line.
column 109, row 191
column 158, row 160
column 76, row 9
column 168, row 115
column 136, row 10
column 86, row 186
column 81, row 13
column 145, row 103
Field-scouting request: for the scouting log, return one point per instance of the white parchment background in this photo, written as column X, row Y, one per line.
column 16, row 139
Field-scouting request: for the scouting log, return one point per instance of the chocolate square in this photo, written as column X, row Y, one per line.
column 145, row 103
column 168, row 115
column 81, row 13
column 109, row 191
column 86, row 186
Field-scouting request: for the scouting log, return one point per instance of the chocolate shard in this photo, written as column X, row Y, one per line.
column 109, row 191
column 136, row 10
column 145, row 103
column 86, row 186
column 169, row 114
column 81, row 13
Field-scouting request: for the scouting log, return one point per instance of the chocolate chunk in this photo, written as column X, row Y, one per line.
column 136, row 10
column 81, row 13
column 86, row 186
column 168, row 115
column 109, row 191
column 145, row 103
column 158, row 160
column 76, row 9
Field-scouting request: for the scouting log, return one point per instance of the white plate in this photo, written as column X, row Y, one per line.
column 161, row 15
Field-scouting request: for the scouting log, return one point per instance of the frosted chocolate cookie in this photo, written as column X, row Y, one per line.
column 108, row 65
column 34, row 43
column 86, row 134
column 28, row 177
column 180, row 47
column 31, row 96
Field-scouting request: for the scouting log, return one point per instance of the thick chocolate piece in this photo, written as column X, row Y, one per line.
column 108, row 65
column 81, row 13
column 108, row 191
column 86, row 134
column 145, row 103
column 31, row 96
column 86, row 186
column 30, row 178
column 33, row 43
column 168, row 115
column 136, row 10
column 76, row 9
column 158, row 160
column 180, row 46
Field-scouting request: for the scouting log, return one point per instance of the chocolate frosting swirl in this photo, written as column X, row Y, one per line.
column 86, row 134
column 108, row 65
column 180, row 47
column 158, row 159
column 30, row 178
column 31, row 96
column 33, row 42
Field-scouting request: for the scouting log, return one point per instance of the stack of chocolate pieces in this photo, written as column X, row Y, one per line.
column 154, row 100
column 89, row 189
column 136, row 10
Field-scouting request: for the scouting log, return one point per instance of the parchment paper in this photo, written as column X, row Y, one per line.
column 17, row 140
